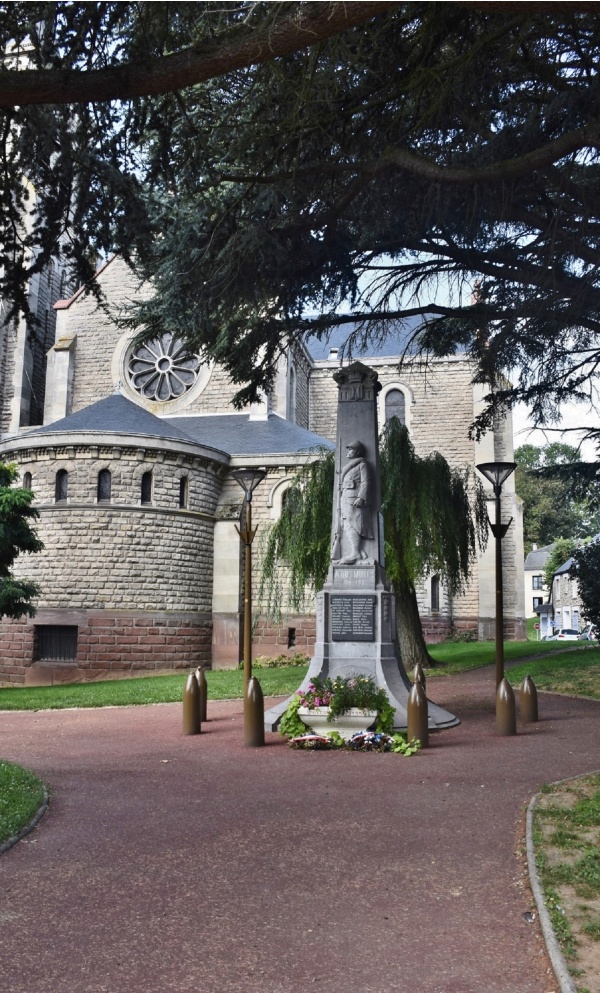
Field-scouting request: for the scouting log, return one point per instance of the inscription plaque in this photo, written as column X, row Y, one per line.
column 352, row 618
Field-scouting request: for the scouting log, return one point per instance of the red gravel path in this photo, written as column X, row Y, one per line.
column 172, row 864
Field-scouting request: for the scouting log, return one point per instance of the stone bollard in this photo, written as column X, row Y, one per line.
column 529, row 701
column 419, row 675
column 202, row 693
column 417, row 714
column 254, row 715
column 506, row 719
column 191, row 712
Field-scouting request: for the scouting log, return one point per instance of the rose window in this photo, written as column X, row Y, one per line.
column 162, row 369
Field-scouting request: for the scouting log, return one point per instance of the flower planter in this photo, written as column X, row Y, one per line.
column 346, row 725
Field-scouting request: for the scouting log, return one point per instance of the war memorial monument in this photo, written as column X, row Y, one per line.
column 356, row 610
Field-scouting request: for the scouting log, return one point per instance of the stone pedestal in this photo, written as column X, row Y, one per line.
column 356, row 612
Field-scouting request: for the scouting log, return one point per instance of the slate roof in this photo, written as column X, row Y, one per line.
column 238, row 435
column 233, row 434
column 395, row 343
column 538, row 558
column 114, row 414
column 565, row 567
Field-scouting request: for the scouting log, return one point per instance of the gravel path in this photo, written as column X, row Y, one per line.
column 172, row 864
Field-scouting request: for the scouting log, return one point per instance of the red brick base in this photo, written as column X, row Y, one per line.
column 109, row 644
column 293, row 635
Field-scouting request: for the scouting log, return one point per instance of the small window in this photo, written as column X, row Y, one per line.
column 147, row 487
column 183, row 492
column 27, row 480
column 537, row 601
column 56, row 643
column 291, row 638
column 290, row 500
column 104, row 486
column 435, row 593
column 395, row 406
column 537, row 582
column 61, row 492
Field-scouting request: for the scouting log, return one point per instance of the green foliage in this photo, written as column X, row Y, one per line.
column 279, row 662
column 301, row 538
column 461, row 637
column 401, row 746
column 435, row 518
column 290, row 725
column 21, row 795
column 414, row 149
column 341, row 694
column 563, row 550
column 16, row 536
column 587, row 571
column 549, row 508
column 385, row 718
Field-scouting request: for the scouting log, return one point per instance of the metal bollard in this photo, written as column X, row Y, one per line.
column 203, row 693
column 254, row 715
column 191, row 713
column 529, row 700
column 506, row 718
column 419, row 675
column 417, row 714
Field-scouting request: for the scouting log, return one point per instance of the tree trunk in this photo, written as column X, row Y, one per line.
column 410, row 633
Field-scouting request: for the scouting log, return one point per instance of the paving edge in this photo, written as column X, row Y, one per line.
column 35, row 820
column 561, row 970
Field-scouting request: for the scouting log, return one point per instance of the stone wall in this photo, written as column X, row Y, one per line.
column 109, row 644
column 128, row 565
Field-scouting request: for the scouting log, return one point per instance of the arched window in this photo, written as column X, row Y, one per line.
column 61, row 491
column 435, row 594
column 104, row 486
column 290, row 499
column 27, row 481
column 183, row 492
column 147, row 487
column 395, row 406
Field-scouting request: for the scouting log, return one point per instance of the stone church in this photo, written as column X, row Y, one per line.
column 129, row 449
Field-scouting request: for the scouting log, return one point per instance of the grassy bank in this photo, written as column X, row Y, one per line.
column 566, row 835
column 223, row 684
column 576, row 673
column 456, row 657
column 21, row 796
column 562, row 669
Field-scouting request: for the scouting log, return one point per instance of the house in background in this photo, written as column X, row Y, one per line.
column 566, row 602
column 536, row 592
column 129, row 447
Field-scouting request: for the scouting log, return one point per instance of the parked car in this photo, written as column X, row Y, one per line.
column 589, row 634
column 564, row 634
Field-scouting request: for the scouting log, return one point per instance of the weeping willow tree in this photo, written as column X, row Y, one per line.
column 434, row 522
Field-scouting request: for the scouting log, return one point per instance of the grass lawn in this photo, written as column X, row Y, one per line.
column 226, row 684
column 456, row 657
column 566, row 834
column 21, row 796
column 223, row 684
column 576, row 673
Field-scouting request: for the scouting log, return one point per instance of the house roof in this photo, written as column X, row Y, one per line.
column 565, row 567
column 237, row 434
column 538, row 558
column 396, row 342
column 233, row 434
column 114, row 414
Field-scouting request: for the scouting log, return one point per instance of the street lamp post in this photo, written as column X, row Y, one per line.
column 497, row 473
column 248, row 479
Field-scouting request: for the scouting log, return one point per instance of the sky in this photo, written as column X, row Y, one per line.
column 572, row 416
